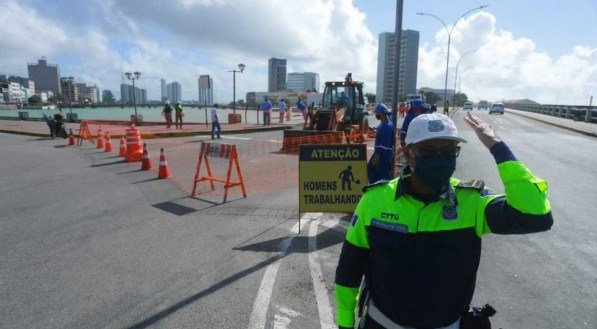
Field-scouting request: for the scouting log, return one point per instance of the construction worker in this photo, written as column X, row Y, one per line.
column 379, row 166
column 417, row 238
column 167, row 113
column 343, row 100
column 215, row 121
column 179, row 115
column 281, row 110
column 303, row 108
column 447, row 107
column 266, row 106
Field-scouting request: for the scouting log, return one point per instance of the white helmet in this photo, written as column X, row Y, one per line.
column 432, row 126
column 167, row 102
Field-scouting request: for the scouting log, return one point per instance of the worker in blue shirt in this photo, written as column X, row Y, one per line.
column 266, row 106
column 380, row 165
column 416, row 108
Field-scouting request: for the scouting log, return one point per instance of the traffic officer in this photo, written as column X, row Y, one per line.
column 417, row 239
column 380, row 165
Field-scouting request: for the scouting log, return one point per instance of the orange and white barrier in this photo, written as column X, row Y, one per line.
column 134, row 149
column 71, row 137
column 164, row 170
column 109, row 147
column 226, row 151
column 100, row 139
column 146, row 161
column 84, row 134
column 122, row 150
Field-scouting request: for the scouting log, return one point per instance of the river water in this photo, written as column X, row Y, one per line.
column 153, row 114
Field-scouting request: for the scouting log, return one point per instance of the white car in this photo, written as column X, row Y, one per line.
column 496, row 108
column 468, row 106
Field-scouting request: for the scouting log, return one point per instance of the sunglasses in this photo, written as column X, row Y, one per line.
column 433, row 152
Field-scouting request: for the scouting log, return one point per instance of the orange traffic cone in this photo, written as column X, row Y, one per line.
column 146, row 161
column 100, row 139
column 71, row 137
column 122, row 151
column 164, row 171
column 109, row 147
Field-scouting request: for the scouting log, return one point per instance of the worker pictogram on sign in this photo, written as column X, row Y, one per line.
column 217, row 150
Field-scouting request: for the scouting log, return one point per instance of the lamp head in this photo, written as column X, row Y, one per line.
column 137, row 75
column 128, row 75
column 241, row 67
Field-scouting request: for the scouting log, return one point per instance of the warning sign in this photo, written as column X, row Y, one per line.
column 331, row 177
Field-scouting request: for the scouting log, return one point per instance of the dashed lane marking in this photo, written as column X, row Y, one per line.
column 264, row 294
column 321, row 295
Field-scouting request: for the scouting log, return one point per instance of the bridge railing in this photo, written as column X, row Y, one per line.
column 575, row 112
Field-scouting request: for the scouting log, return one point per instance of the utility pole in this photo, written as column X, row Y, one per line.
column 397, row 41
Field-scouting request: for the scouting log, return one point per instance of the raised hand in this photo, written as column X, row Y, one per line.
column 484, row 130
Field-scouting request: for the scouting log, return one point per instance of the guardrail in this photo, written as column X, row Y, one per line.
column 575, row 112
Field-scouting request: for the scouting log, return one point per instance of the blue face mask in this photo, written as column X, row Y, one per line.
column 435, row 172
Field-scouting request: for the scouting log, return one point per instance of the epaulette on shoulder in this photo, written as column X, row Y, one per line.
column 372, row 185
column 474, row 184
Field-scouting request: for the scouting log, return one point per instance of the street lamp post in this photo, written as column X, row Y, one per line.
column 241, row 68
column 449, row 40
column 460, row 77
column 70, row 97
column 456, row 75
column 134, row 76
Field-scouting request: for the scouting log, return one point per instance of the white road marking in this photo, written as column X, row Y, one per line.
column 264, row 294
column 235, row 137
column 283, row 321
column 321, row 295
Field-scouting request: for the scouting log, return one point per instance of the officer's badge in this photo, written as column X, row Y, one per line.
column 435, row 125
column 450, row 212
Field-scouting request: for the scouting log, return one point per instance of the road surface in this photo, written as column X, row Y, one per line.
column 89, row 241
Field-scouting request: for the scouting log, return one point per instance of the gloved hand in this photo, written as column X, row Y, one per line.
column 375, row 160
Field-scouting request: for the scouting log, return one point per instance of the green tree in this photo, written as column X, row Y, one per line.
column 55, row 99
column 460, row 99
column 34, row 99
column 431, row 97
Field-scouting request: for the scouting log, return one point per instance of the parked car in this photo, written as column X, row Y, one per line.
column 496, row 108
column 483, row 105
column 467, row 106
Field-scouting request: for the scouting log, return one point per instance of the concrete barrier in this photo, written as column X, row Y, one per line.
column 573, row 112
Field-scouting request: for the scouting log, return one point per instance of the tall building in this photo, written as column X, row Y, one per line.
column 108, row 97
column 26, row 83
column 174, row 92
column 88, row 93
column 206, row 90
column 128, row 93
column 307, row 81
column 70, row 90
column 276, row 74
column 163, row 88
column 46, row 76
column 409, row 58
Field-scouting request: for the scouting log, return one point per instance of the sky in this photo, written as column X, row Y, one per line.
column 545, row 50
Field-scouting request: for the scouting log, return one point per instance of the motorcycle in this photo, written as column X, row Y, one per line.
column 56, row 127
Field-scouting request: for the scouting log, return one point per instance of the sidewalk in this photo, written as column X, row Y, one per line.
column 581, row 127
column 40, row 128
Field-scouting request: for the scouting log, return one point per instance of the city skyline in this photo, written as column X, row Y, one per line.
column 513, row 60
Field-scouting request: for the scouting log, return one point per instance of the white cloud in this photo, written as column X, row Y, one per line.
column 505, row 67
column 178, row 40
column 26, row 36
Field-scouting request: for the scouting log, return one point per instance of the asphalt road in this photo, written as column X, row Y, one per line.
column 89, row 241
